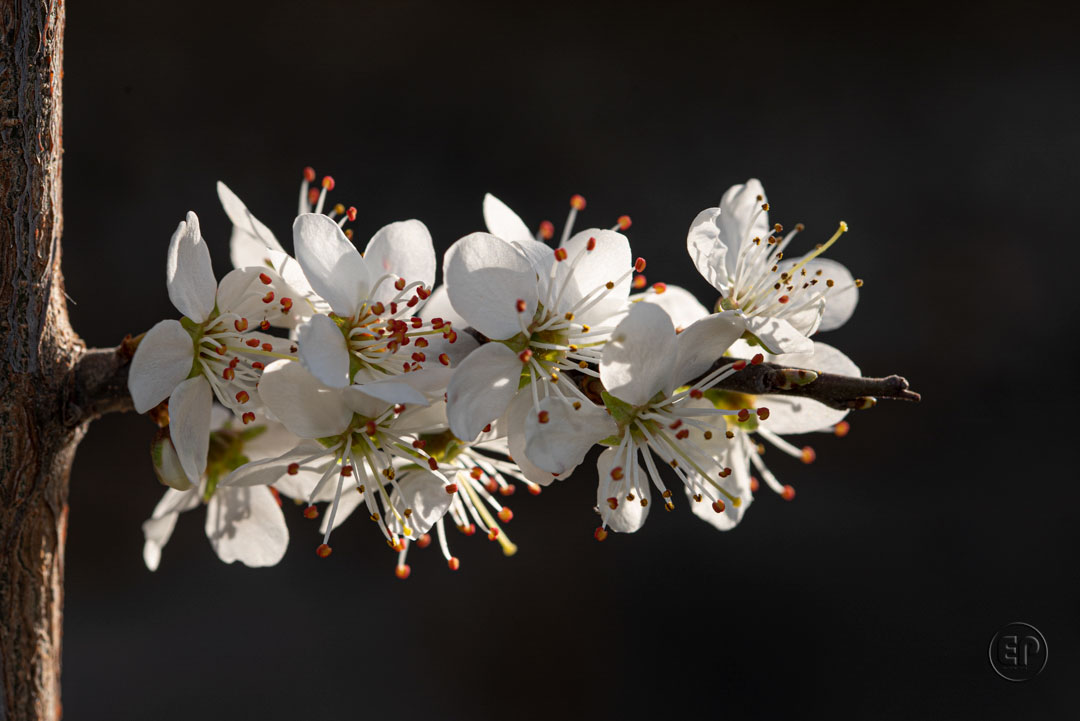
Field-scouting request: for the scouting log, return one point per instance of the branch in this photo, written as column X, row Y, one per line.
column 99, row 384
column 835, row 391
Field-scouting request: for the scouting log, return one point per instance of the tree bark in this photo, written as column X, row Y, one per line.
column 38, row 354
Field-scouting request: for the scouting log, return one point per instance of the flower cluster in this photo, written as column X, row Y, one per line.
column 345, row 380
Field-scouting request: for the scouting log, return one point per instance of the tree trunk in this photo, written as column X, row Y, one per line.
column 38, row 353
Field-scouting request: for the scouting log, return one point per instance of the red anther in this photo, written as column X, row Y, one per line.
column 762, row 413
column 659, row 287
column 841, row 429
column 591, row 245
column 313, row 196
column 543, row 416
column 757, row 359
column 639, row 265
column 234, row 362
column 248, row 417
column 468, row 530
column 378, row 309
column 433, row 464
column 257, row 365
column 265, row 279
column 419, row 357
column 744, row 416
column 451, row 337
column 520, row 305
column 547, row 230
column 419, row 443
column 676, row 424
column 264, row 325
column 454, row 563
column 275, row 494
column 402, row 571
column 754, row 484
column 351, row 213
column 311, row 512
column 423, row 292
column 424, row 541
column 444, row 359
column 599, row 534
column 416, row 322
column 684, row 433
column 328, row 182
column 783, row 299
column 293, row 469
column 718, row 506
column 370, row 428
column 507, row 490
column 487, row 428
column 639, row 282
column 491, row 486
column 696, row 393
column 739, row 365
column 493, row 533
column 421, row 343
column 724, row 473
column 506, row 515
column 617, row 473
column 349, row 233
column 228, row 374
column 477, row 472
column 613, row 503
column 267, row 347
column 241, row 324
column 309, row 174
column 808, row 454
column 242, row 397
column 346, row 471
column 286, row 304
column 577, row 202
column 436, row 323
column 269, row 297
column 452, row 488
column 534, row 489
column 399, row 408
column 252, row 342
column 221, row 350
column 393, row 308
column 323, row 550
column 413, row 301
column 624, row 222
column 525, row 355
column 788, row 493
column 560, row 254
column 399, row 284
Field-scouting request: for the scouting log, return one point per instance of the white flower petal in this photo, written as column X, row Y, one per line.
column 609, row 261
column 706, row 250
column 250, row 238
column 741, row 220
column 503, row 222
column 303, row 405
column 162, row 360
column 627, row 516
column 403, row 249
column 323, row 351
column 641, row 355
column 514, row 422
column 426, row 495
column 331, row 263
column 679, row 303
column 159, row 527
column 485, row 277
column 839, row 306
column 482, row 388
column 791, row 414
column 737, row 484
column 188, row 271
column 189, row 424
column 560, row 443
column 778, row 336
column 167, row 466
column 247, row 525
column 365, row 398
column 275, row 471
column 704, row 341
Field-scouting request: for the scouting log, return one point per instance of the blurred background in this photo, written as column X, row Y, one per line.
column 946, row 138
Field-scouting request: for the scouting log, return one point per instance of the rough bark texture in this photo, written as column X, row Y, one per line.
column 38, row 352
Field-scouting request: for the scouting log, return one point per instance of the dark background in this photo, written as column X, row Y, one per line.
column 946, row 138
